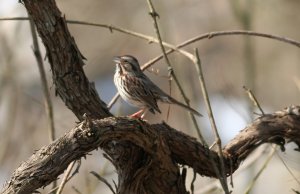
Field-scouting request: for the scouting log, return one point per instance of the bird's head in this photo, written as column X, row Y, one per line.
column 127, row 64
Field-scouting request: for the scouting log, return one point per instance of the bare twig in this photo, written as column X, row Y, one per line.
column 154, row 16
column 76, row 190
column 14, row 18
column 208, row 35
column 256, row 103
column 133, row 33
column 48, row 102
column 100, row 178
column 69, row 177
column 249, row 188
column 75, row 171
column 250, row 161
column 297, row 192
column 193, row 181
column 288, row 169
column 65, row 179
column 222, row 178
column 231, row 177
column 171, row 73
column 9, row 87
column 113, row 101
column 253, row 99
column 245, row 17
column 211, row 35
column 214, row 185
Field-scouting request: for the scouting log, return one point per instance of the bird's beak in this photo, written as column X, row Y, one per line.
column 117, row 59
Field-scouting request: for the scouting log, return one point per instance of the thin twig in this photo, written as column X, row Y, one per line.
column 14, row 18
column 171, row 73
column 222, row 178
column 253, row 99
column 250, row 161
column 133, row 33
column 288, row 169
column 256, row 104
column 65, row 179
column 8, row 81
column 69, row 177
column 48, row 102
column 100, row 178
column 231, row 176
column 123, row 30
column 113, row 100
column 154, row 16
column 193, row 181
column 245, row 17
column 75, row 171
column 296, row 192
column 249, row 188
column 76, row 190
column 115, row 184
column 211, row 35
column 208, row 35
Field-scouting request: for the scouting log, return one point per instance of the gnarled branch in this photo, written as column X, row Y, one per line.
column 66, row 61
column 146, row 156
column 160, row 147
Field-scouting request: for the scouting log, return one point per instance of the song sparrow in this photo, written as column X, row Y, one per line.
column 138, row 90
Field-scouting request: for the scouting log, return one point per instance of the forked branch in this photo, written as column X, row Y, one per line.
column 146, row 156
column 159, row 147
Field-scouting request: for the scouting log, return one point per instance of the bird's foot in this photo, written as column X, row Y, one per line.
column 138, row 114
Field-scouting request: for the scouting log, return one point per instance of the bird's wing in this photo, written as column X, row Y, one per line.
column 142, row 89
column 162, row 96
column 158, row 93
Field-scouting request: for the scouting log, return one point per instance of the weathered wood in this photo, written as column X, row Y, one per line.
column 66, row 61
column 146, row 156
column 158, row 148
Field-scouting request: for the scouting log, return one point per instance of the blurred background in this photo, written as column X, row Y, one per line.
column 268, row 67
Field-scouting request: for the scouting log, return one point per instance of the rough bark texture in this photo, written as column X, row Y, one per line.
column 66, row 61
column 146, row 156
column 148, row 162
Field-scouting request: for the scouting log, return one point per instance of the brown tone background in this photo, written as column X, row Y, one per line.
column 271, row 71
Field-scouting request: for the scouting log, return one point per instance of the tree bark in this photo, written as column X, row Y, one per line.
column 66, row 61
column 149, row 161
column 146, row 156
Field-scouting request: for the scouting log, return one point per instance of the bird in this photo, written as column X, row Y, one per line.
column 138, row 90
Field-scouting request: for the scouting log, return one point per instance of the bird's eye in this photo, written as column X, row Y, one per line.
column 127, row 66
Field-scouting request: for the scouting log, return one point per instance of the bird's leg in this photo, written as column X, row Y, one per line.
column 138, row 114
column 144, row 114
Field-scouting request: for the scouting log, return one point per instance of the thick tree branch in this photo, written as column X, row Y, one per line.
column 80, row 96
column 146, row 156
column 159, row 144
column 66, row 60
